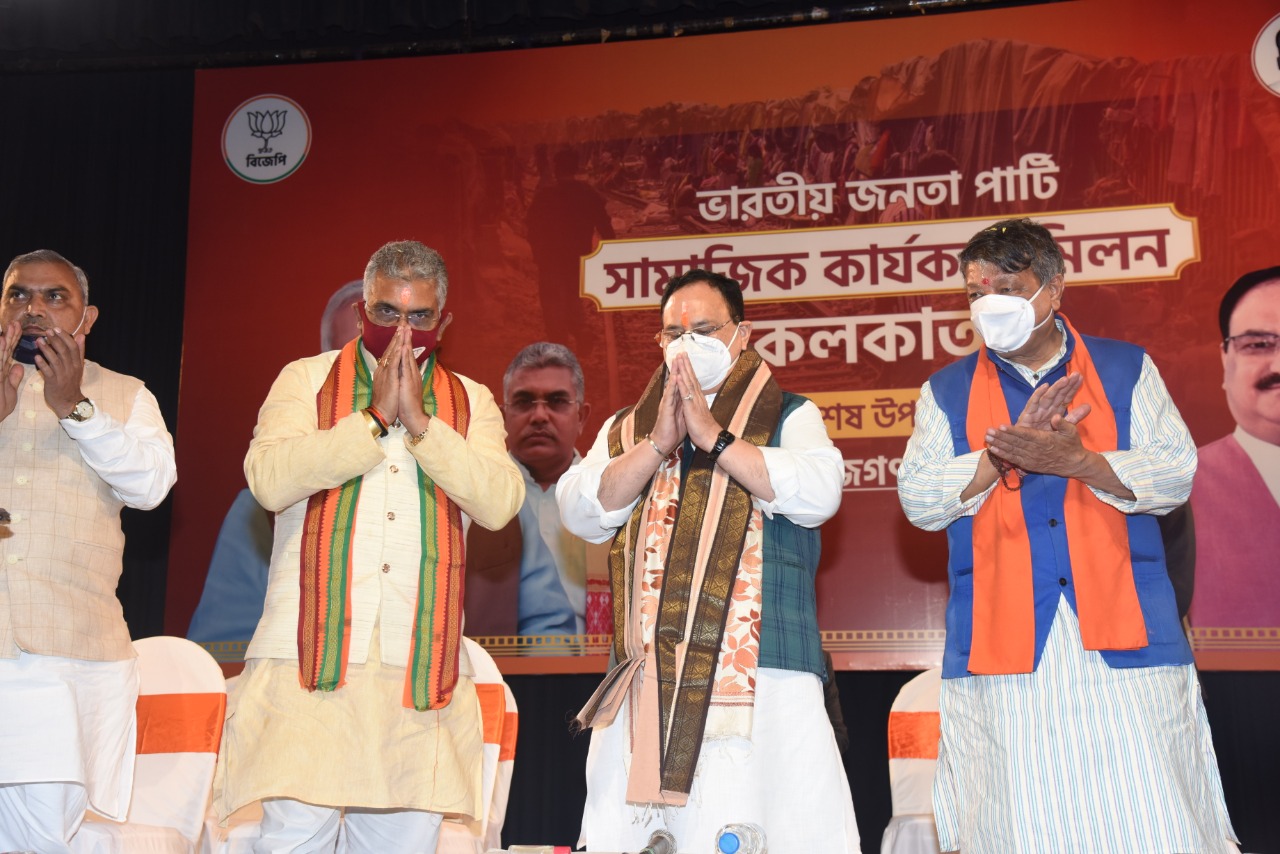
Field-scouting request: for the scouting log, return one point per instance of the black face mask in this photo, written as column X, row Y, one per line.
column 26, row 350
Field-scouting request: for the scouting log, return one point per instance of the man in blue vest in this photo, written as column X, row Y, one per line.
column 711, row 488
column 1071, row 713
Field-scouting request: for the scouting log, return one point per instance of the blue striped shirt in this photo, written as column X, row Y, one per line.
column 1158, row 468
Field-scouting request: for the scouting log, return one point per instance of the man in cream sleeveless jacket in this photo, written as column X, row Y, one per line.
column 77, row 443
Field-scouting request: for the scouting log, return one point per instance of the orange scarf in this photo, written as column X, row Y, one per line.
column 1004, row 630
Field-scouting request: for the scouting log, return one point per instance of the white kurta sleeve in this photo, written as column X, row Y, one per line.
column 806, row 472
column 1161, row 461
column 932, row 477
column 135, row 458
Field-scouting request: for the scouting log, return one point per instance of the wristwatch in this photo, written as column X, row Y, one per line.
column 724, row 440
column 82, row 411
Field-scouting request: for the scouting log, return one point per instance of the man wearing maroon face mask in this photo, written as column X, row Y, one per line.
column 356, row 707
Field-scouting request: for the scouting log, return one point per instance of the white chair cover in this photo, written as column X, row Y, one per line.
column 498, row 710
column 181, row 701
column 913, row 758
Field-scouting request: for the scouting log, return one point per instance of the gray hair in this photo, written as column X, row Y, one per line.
column 342, row 298
column 48, row 256
column 544, row 354
column 408, row 261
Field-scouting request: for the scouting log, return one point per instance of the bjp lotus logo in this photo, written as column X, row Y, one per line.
column 266, row 138
column 265, row 125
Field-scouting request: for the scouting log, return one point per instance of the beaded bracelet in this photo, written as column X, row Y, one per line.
column 1004, row 468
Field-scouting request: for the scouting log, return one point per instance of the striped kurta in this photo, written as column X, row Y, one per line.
column 1078, row 758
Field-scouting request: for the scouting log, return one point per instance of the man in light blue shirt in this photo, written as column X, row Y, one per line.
column 236, row 582
column 543, row 405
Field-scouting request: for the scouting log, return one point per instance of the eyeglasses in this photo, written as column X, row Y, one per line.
column 1252, row 343
column 385, row 315
column 666, row 336
column 557, row 403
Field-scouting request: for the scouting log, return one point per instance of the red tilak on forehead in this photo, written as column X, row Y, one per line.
column 985, row 280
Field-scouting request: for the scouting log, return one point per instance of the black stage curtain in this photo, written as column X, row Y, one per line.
column 96, row 167
column 73, row 35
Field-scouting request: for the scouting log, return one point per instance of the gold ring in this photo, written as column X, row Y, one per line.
column 688, row 397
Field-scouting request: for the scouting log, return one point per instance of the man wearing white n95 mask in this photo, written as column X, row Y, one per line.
column 1071, row 720
column 712, row 487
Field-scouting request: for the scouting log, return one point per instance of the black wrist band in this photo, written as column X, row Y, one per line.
column 724, row 440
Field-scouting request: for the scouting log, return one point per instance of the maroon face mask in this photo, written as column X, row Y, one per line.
column 378, row 338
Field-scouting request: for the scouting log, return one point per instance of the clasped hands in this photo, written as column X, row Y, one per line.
column 397, row 385
column 61, row 365
column 1045, row 439
column 683, row 411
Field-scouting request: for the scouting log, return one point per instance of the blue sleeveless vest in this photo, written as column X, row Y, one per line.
column 1119, row 365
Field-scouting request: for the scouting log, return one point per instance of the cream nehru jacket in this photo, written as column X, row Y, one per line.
column 60, row 555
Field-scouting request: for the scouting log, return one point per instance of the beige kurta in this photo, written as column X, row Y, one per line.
column 358, row 746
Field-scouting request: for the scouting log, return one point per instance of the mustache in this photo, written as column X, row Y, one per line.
column 1268, row 382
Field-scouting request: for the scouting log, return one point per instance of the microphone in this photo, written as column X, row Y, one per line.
column 661, row 842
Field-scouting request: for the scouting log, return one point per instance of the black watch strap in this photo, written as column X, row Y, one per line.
column 724, row 440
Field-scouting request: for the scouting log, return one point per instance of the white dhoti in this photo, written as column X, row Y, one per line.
column 67, row 722
column 787, row 778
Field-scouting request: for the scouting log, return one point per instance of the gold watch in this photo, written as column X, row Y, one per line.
column 82, row 411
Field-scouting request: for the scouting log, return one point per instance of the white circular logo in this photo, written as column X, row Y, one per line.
column 1266, row 56
column 266, row 139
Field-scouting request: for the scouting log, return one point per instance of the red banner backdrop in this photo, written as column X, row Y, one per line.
column 834, row 170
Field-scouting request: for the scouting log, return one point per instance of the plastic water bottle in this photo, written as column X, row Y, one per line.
column 741, row 838
column 661, row 842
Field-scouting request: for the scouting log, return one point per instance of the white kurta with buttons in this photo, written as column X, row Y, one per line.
column 290, row 459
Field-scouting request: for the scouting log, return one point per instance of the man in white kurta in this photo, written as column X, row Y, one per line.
column 354, row 755
column 766, row 753
column 77, row 443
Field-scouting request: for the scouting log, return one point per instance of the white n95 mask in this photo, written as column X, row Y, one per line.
column 1006, row 322
column 708, row 355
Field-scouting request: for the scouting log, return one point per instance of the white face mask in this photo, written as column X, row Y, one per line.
column 708, row 355
column 1006, row 322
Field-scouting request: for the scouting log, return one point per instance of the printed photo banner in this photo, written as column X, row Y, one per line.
column 565, row 186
